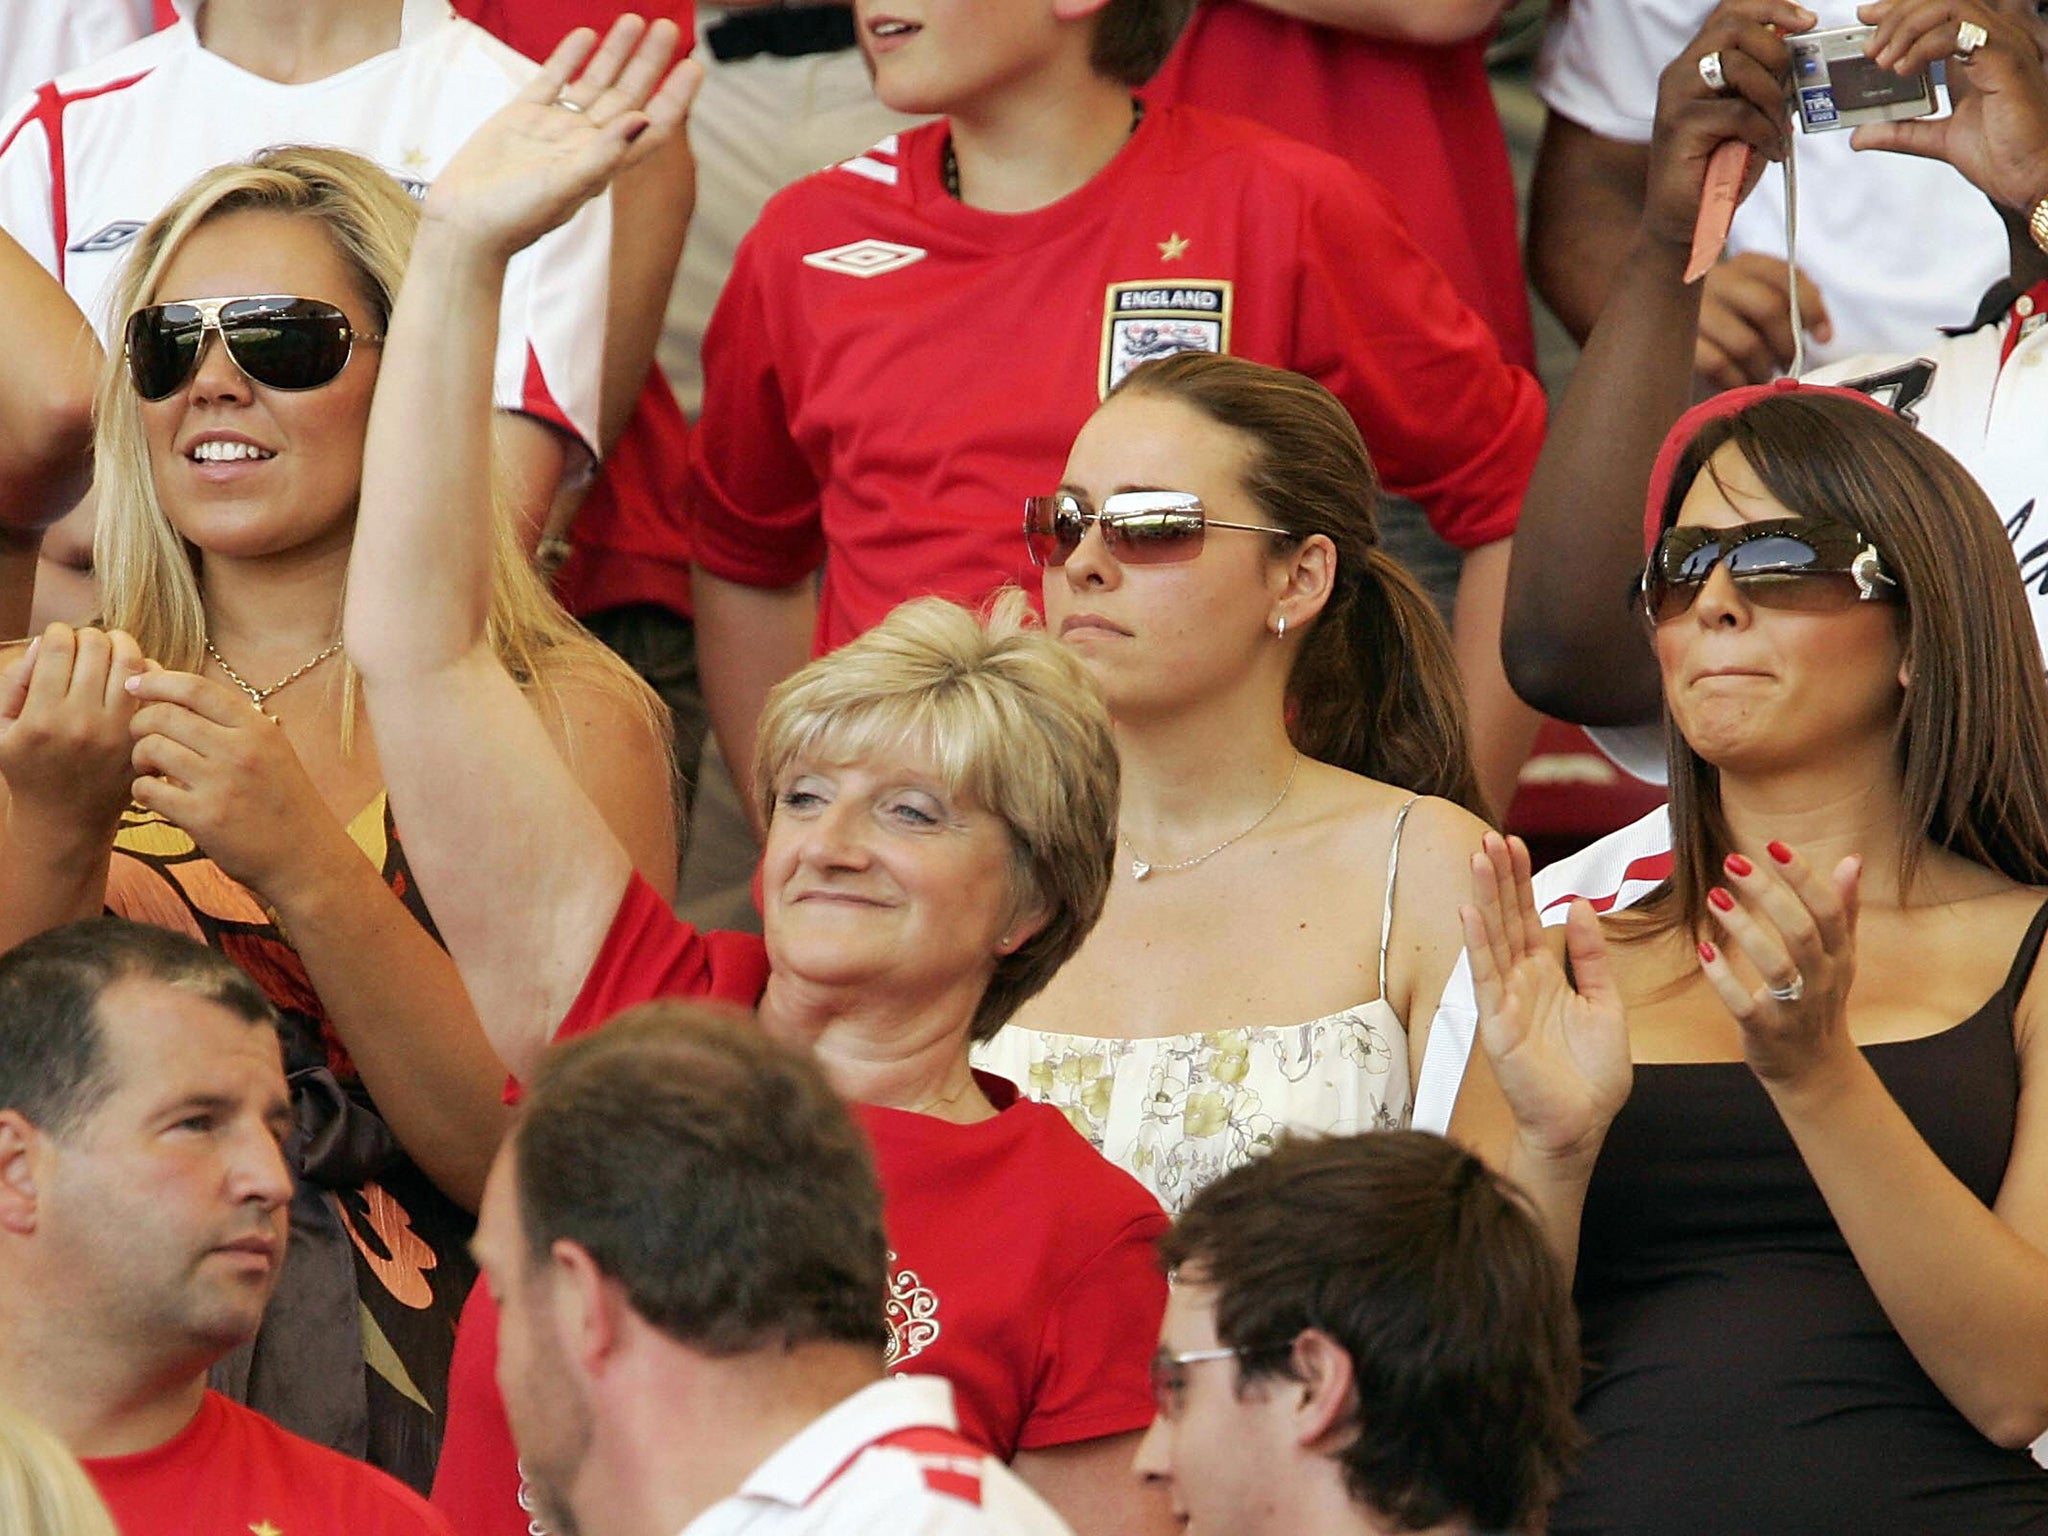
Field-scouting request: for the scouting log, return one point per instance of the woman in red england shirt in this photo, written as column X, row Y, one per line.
column 941, row 805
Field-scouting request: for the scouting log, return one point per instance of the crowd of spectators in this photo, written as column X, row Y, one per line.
column 1071, row 476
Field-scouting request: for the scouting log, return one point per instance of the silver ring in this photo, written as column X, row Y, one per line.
column 1791, row 992
column 1970, row 36
column 565, row 103
column 1710, row 71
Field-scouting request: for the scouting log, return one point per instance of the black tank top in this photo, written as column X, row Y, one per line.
column 1741, row 1376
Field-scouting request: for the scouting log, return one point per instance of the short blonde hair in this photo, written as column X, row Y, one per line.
column 149, row 581
column 43, row 1489
column 1009, row 719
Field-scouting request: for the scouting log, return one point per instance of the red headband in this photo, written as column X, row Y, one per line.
column 1727, row 403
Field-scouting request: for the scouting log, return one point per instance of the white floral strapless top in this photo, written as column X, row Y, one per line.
column 1178, row 1110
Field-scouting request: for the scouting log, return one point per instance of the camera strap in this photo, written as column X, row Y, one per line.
column 1798, row 368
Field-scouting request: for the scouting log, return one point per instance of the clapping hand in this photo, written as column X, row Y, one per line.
column 64, row 727
column 1558, row 1045
column 1796, row 930
column 1997, row 135
column 585, row 117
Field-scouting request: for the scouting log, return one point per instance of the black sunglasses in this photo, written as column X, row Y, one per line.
column 1800, row 564
column 1138, row 527
column 278, row 340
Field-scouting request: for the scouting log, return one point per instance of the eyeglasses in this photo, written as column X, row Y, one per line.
column 1802, row 565
column 1138, row 527
column 278, row 340
column 1170, row 1375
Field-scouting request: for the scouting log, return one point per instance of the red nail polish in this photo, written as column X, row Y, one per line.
column 1779, row 852
column 1738, row 866
column 1721, row 899
column 1707, row 953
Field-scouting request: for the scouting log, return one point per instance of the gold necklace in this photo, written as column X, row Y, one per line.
column 1142, row 868
column 258, row 695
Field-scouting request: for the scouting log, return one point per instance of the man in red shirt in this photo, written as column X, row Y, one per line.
column 143, row 1198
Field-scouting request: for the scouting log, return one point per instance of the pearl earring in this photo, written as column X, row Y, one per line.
column 1280, row 629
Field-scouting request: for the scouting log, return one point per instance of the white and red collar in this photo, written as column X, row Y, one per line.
column 2026, row 316
column 802, row 1468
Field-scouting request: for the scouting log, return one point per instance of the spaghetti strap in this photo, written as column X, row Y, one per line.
column 2023, row 962
column 1387, row 905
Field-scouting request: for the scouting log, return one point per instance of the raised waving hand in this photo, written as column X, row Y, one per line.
column 593, row 110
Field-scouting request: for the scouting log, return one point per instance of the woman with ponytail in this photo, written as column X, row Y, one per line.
column 1299, row 801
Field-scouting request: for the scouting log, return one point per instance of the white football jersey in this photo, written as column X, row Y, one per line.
column 89, row 158
column 41, row 39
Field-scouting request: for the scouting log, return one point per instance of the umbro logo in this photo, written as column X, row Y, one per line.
column 865, row 258
column 114, row 236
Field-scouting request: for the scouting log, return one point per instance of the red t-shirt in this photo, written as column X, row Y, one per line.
column 1022, row 1264
column 630, row 541
column 1419, row 119
column 889, row 372
column 233, row 1471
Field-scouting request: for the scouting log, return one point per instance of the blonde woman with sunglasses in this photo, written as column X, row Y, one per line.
column 1299, row 799
column 201, row 760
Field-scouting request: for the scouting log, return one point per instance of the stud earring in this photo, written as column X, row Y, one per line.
column 1280, row 629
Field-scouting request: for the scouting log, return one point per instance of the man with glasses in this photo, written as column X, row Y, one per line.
column 1366, row 1334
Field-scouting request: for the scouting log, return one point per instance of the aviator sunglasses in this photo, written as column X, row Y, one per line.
column 1138, row 527
column 278, row 340
column 1802, row 565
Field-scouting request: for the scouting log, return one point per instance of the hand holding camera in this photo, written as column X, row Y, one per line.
column 1997, row 134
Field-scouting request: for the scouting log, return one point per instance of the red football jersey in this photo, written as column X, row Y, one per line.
column 535, row 26
column 890, row 372
column 1418, row 119
column 233, row 1470
column 1022, row 1264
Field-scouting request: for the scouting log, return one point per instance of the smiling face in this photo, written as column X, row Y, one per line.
column 165, row 1208
column 876, row 874
column 1758, row 690
column 1157, row 638
column 293, row 459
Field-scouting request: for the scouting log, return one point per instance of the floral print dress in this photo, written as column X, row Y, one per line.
column 1178, row 1110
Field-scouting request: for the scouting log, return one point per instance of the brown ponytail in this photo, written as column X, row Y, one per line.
column 1375, row 688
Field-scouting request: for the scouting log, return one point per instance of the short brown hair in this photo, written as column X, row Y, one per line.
column 1133, row 38
column 1010, row 718
column 1375, row 688
column 1426, row 1268
column 712, row 1173
column 54, row 1067
column 1972, row 732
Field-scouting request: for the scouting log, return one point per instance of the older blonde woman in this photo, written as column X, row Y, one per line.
column 242, row 801
column 940, row 799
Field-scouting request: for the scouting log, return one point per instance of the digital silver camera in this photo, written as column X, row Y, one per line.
column 1835, row 86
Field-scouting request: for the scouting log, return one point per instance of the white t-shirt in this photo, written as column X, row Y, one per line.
column 41, row 39
column 1899, row 247
column 842, row 1475
column 91, row 157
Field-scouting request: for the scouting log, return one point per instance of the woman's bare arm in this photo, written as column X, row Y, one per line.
column 522, row 871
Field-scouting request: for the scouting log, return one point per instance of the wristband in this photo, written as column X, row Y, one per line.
column 2037, row 226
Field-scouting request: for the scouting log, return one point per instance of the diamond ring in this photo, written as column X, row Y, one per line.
column 1791, row 992
column 1970, row 36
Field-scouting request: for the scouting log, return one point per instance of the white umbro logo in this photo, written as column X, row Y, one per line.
column 865, row 258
